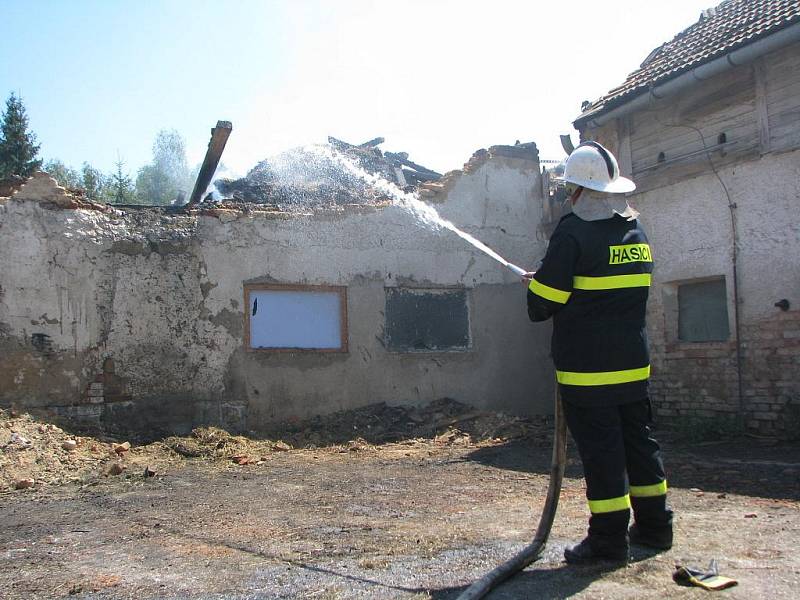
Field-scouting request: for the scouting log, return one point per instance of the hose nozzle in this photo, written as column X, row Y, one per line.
column 517, row 270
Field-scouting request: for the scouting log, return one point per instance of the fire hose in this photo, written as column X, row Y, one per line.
column 532, row 551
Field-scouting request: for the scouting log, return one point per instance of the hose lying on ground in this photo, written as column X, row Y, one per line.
column 533, row 550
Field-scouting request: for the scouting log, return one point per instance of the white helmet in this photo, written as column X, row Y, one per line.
column 592, row 166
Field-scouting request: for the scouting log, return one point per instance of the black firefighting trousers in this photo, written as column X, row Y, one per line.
column 622, row 466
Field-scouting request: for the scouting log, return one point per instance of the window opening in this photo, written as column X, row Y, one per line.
column 419, row 320
column 703, row 311
column 296, row 318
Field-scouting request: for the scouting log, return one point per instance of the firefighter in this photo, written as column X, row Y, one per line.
column 594, row 282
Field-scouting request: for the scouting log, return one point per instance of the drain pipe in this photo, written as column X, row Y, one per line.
column 532, row 551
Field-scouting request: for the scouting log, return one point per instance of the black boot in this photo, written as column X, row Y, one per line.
column 660, row 539
column 593, row 549
column 653, row 523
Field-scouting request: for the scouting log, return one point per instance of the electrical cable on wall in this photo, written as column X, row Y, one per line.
column 734, row 251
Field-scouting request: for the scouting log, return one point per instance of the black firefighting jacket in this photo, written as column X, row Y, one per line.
column 594, row 282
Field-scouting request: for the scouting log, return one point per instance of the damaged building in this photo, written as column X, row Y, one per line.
column 281, row 302
column 708, row 128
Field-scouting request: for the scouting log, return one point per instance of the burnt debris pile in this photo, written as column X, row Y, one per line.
column 311, row 177
column 444, row 421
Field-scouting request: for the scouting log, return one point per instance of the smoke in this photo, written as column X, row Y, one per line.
column 222, row 172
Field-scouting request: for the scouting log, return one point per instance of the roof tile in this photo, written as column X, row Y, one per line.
column 719, row 30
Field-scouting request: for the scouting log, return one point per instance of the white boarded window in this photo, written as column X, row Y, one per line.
column 296, row 318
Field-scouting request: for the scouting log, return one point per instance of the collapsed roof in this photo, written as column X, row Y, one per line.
column 311, row 176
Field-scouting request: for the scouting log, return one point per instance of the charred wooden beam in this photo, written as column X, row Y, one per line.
column 219, row 137
column 402, row 158
column 372, row 143
column 339, row 144
column 342, row 145
column 419, row 176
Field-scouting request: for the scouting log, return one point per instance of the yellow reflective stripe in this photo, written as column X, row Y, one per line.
column 610, row 505
column 549, row 293
column 603, row 377
column 648, row 491
column 611, row 282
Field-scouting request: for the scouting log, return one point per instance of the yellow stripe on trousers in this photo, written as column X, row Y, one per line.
column 610, row 505
column 602, row 377
column 649, row 491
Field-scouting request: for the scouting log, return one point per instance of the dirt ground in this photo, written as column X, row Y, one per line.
column 364, row 507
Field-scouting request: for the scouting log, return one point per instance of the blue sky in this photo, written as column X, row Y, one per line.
column 437, row 78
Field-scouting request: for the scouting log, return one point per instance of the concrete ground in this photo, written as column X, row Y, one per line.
column 415, row 519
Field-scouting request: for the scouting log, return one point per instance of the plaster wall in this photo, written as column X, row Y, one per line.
column 689, row 224
column 135, row 319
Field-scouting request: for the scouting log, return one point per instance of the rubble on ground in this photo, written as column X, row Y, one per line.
column 216, row 443
column 34, row 453
column 382, row 423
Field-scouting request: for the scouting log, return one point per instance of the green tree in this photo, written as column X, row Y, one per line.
column 119, row 186
column 166, row 178
column 92, row 182
column 18, row 147
column 89, row 180
column 65, row 176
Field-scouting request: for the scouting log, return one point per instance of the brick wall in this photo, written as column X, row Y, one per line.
column 771, row 351
column 697, row 383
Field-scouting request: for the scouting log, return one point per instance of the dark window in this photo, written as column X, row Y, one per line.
column 432, row 320
column 703, row 311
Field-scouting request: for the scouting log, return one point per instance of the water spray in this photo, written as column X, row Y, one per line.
column 424, row 213
column 530, row 553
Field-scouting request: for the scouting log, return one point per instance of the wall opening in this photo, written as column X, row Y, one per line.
column 703, row 311
column 295, row 318
column 420, row 320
